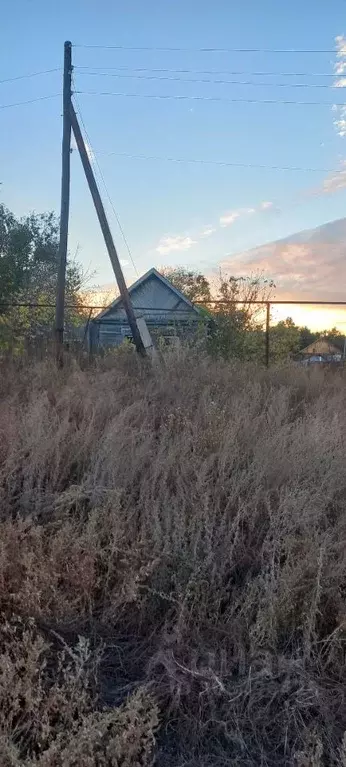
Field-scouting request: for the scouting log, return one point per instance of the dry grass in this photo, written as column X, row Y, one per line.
column 172, row 565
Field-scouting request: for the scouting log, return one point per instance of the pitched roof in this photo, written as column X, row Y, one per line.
column 321, row 346
column 150, row 273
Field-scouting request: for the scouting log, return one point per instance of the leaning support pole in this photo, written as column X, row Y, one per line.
column 89, row 173
column 65, row 204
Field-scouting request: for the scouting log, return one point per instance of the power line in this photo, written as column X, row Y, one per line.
column 32, row 74
column 168, row 97
column 221, row 163
column 212, row 82
column 213, row 72
column 106, row 189
column 30, row 101
column 208, row 50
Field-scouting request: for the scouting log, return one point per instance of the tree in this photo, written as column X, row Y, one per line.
column 245, row 291
column 237, row 319
column 307, row 337
column 29, row 257
column 28, row 273
column 334, row 336
column 285, row 339
column 194, row 285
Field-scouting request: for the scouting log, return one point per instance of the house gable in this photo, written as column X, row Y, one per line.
column 150, row 294
column 320, row 346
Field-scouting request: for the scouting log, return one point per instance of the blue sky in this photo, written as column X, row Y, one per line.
column 176, row 213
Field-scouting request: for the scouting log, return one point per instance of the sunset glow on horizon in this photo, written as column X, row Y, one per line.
column 316, row 317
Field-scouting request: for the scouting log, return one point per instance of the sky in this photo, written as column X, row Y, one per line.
column 234, row 199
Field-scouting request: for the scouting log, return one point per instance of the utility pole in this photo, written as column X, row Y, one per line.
column 89, row 173
column 65, row 202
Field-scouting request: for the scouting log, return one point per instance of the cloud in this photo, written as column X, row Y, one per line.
column 340, row 124
column 207, row 231
column 340, row 82
column 268, row 208
column 171, row 243
column 178, row 243
column 340, row 43
column 335, row 181
column 307, row 265
column 229, row 218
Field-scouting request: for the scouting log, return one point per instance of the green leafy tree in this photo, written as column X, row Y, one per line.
column 334, row 337
column 28, row 273
column 29, row 257
column 194, row 285
column 285, row 340
column 307, row 337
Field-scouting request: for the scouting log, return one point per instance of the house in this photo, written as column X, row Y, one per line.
column 321, row 350
column 167, row 312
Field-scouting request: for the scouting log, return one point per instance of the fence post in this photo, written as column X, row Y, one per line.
column 92, row 338
column 267, row 357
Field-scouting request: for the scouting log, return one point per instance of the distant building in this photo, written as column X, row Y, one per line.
column 321, row 350
column 167, row 312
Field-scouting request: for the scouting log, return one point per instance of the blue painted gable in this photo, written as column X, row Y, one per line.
column 152, row 292
column 165, row 309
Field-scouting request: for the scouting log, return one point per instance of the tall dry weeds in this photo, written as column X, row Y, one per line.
column 189, row 520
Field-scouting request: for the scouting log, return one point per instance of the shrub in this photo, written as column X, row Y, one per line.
column 187, row 521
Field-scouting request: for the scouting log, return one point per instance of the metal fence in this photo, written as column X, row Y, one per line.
column 28, row 327
column 267, row 320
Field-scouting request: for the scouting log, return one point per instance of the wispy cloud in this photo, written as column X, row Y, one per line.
column 340, row 82
column 340, row 123
column 340, row 66
column 177, row 243
column 335, row 181
column 227, row 219
column 207, row 231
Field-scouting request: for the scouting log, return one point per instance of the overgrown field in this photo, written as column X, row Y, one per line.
column 172, row 565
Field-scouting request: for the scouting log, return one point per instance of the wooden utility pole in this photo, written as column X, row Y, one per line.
column 65, row 202
column 89, row 173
